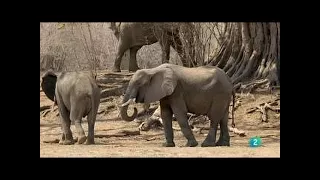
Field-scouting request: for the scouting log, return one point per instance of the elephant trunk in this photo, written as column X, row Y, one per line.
column 128, row 98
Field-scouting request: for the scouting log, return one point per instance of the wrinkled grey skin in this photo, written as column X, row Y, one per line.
column 205, row 90
column 77, row 95
column 135, row 35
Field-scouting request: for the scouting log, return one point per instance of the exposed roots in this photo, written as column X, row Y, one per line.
column 150, row 123
column 250, row 53
column 263, row 107
column 197, row 124
column 122, row 133
column 251, row 86
column 42, row 108
column 236, row 131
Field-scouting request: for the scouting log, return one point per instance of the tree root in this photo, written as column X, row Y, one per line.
column 106, row 109
column 236, row 131
column 122, row 133
column 151, row 122
column 117, row 91
column 51, row 141
column 250, row 87
column 46, row 109
column 263, row 107
column 257, row 58
column 42, row 108
column 45, row 112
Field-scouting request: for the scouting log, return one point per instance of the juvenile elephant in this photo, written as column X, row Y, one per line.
column 205, row 90
column 135, row 35
column 77, row 95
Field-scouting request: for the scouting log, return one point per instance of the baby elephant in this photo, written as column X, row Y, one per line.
column 77, row 95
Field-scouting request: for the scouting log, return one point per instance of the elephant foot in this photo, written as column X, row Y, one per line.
column 88, row 142
column 192, row 143
column 134, row 69
column 208, row 144
column 169, row 144
column 116, row 69
column 223, row 143
column 66, row 142
column 82, row 139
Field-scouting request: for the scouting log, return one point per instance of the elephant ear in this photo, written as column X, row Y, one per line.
column 162, row 84
column 48, row 84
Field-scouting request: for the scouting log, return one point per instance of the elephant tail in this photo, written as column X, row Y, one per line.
column 233, row 101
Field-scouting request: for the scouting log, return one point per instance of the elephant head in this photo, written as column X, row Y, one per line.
column 115, row 27
column 48, row 84
column 146, row 86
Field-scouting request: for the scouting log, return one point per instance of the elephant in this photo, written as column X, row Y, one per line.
column 203, row 90
column 135, row 35
column 77, row 95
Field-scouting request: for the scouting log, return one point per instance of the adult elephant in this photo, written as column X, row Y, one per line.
column 207, row 92
column 77, row 95
column 132, row 36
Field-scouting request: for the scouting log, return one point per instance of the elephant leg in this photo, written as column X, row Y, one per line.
column 122, row 48
column 216, row 115
column 91, row 118
column 76, row 114
column 224, row 139
column 211, row 137
column 180, row 111
column 166, row 115
column 133, row 66
column 165, row 48
column 66, row 137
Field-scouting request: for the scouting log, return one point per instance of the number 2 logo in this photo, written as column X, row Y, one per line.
column 255, row 141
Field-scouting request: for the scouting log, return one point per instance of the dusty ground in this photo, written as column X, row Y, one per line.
column 148, row 143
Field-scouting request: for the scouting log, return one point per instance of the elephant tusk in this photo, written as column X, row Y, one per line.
column 128, row 102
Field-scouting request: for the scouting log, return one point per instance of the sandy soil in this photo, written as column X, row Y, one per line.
column 149, row 143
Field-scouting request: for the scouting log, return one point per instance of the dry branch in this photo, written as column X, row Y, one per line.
column 236, row 131
column 149, row 123
column 241, row 133
column 51, row 141
column 122, row 133
column 42, row 108
column 263, row 107
column 117, row 91
column 151, row 139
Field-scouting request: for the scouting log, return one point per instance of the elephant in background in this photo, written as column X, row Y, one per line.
column 77, row 95
column 207, row 92
column 135, row 35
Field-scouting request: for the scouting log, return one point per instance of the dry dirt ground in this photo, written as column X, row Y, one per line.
column 149, row 143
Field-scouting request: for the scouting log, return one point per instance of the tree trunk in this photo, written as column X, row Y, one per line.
column 250, row 53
